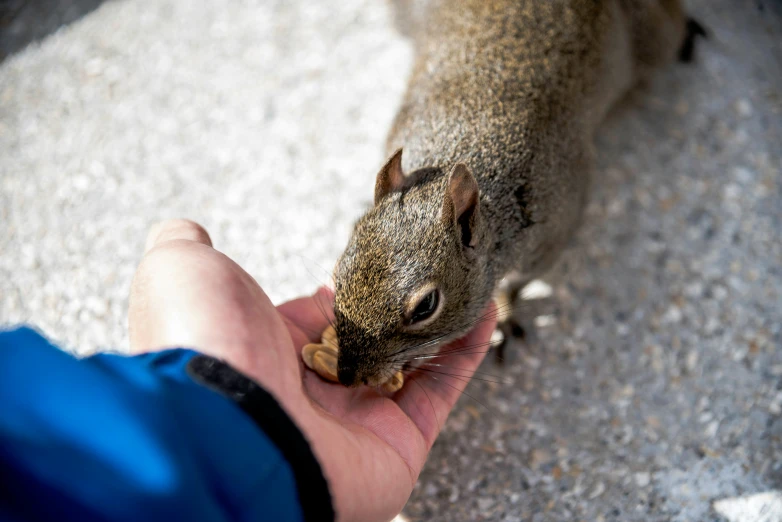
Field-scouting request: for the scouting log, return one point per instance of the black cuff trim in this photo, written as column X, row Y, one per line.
column 314, row 496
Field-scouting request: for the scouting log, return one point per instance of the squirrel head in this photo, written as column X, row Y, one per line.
column 413, row 274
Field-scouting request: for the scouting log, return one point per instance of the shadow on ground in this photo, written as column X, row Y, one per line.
column 25, row 21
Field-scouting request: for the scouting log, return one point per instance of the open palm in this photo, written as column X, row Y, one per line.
column 371, row 446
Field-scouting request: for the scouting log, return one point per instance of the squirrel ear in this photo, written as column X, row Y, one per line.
column 390, row 177
column 460, row 204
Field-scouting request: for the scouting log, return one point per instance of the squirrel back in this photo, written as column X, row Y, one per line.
column 497, row 126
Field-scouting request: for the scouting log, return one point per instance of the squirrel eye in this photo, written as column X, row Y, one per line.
column 426, row 307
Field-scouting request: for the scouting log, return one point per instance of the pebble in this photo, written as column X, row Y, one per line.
column 642, row 479
column 599, row 489
column 485, row 504
column 673, row 314
column 711, row 429
column 744, row 108
column 691, row 362
column 539, row 457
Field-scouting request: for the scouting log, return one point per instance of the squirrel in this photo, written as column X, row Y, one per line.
column 497, row 128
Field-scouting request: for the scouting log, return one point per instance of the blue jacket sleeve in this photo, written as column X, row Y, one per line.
column 167, row 436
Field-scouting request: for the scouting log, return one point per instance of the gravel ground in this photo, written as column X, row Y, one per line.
column 651, row 385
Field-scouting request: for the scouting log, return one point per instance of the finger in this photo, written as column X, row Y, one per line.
column 307, row 317
column 311, row 315
column 173, row 229
column 430, row 392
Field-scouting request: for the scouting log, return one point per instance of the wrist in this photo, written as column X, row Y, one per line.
column 315, row 497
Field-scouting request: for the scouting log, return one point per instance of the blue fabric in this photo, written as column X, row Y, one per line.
column 121, row 438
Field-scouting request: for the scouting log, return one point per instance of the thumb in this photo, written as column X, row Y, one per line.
column 165, row 243
column 175, row 229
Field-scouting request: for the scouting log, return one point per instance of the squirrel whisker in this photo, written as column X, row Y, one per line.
column 464, row 392
column 464, row 378
column 470, row 372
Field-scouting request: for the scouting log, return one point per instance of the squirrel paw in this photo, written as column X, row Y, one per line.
column 507, row 329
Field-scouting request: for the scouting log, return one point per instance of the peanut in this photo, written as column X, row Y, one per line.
column 325, row 364
column 395, row 383
column 329, row 337
column 322, row 359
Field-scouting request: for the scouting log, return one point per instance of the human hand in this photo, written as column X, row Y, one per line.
column 371, row 447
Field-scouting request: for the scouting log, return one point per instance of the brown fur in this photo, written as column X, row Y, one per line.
column 514, row 89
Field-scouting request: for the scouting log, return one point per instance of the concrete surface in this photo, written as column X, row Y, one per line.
column 651, row 389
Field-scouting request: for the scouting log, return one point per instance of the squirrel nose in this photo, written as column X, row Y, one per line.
column 347, row 375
